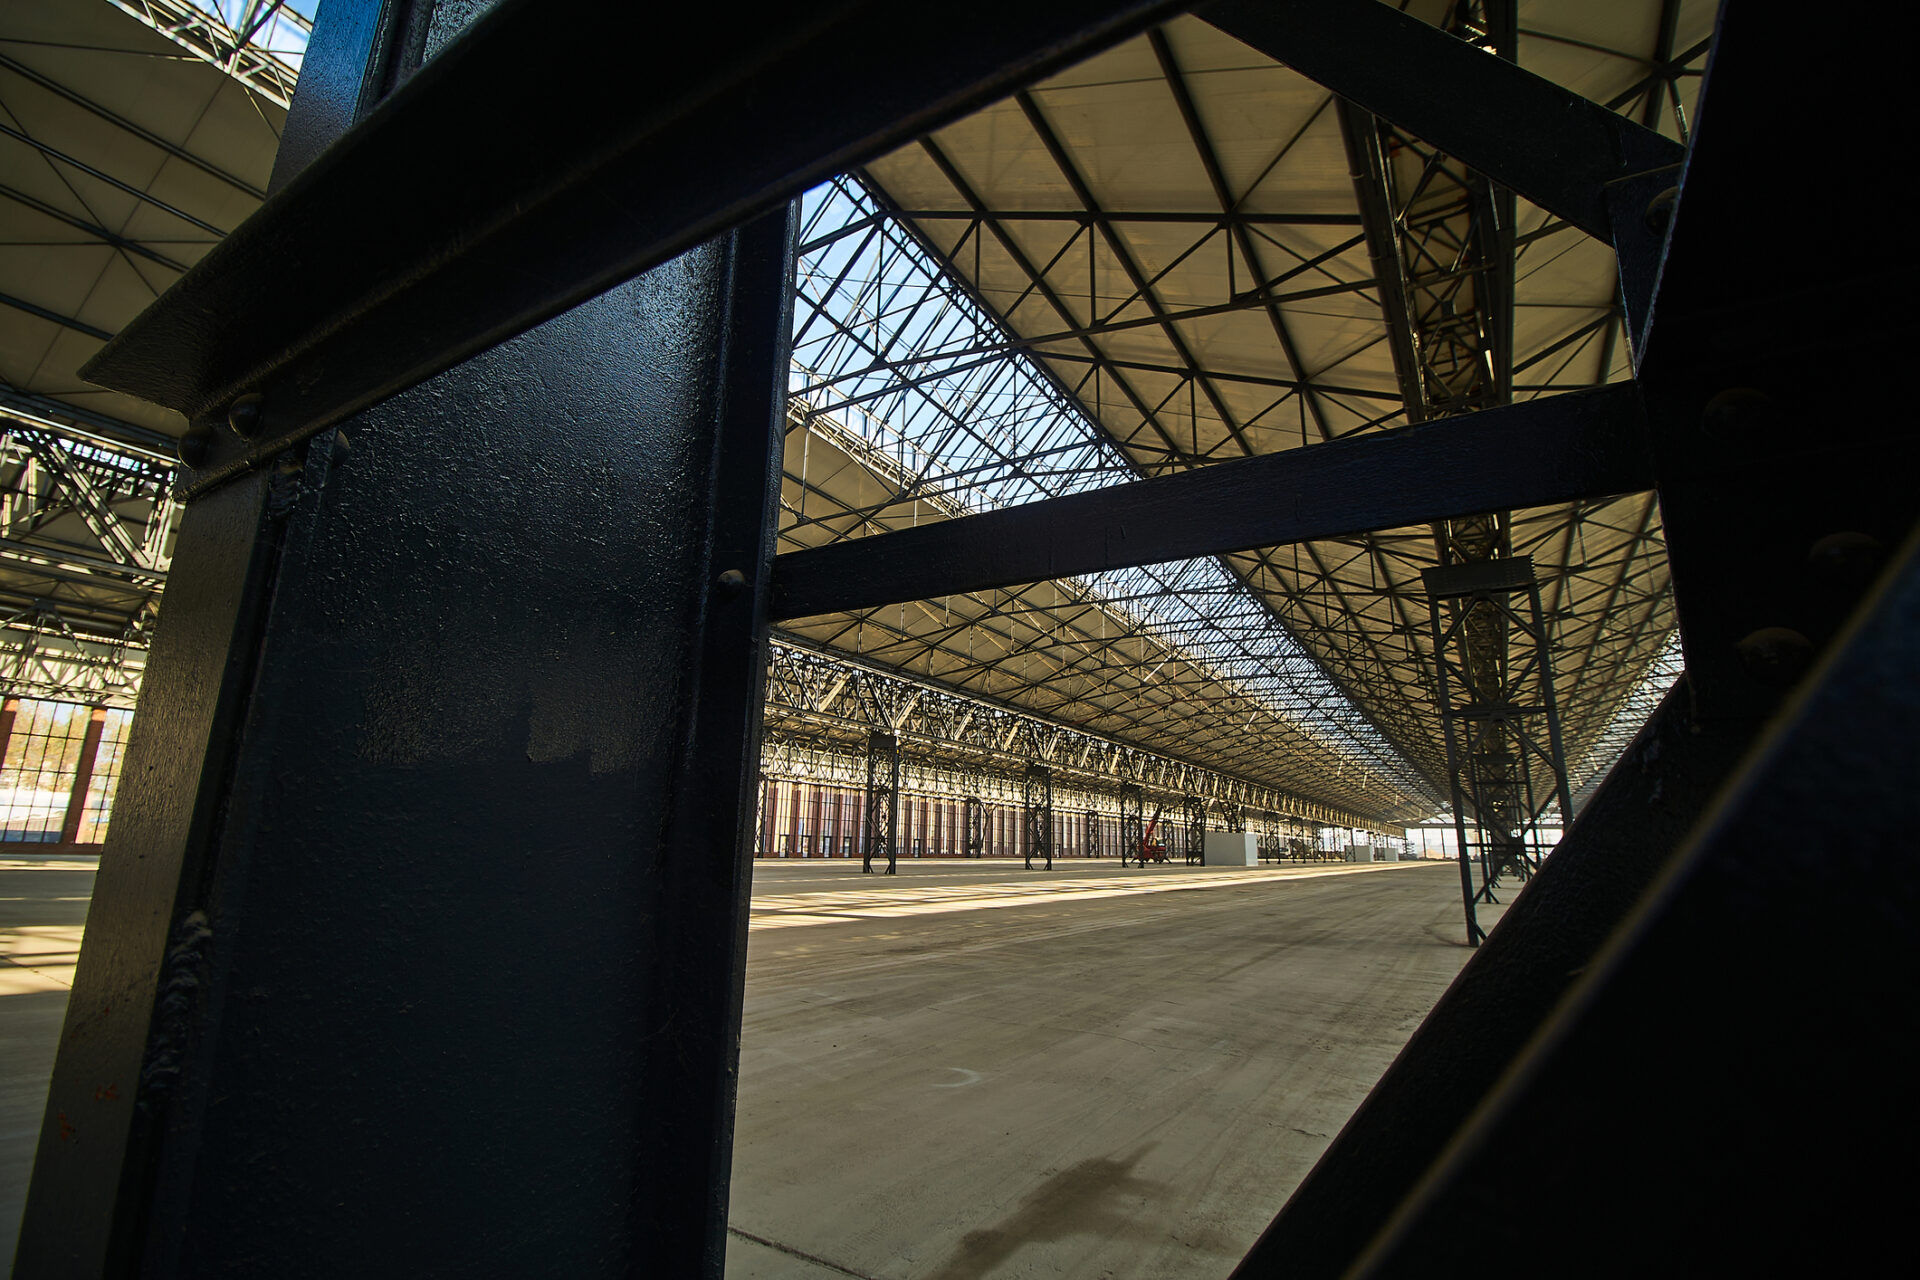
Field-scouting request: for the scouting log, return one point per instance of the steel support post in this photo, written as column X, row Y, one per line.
column 1133, row 821
column 1094, row 843
column 882, row 835
column 1194, row 810
column 976, row 827
column 1036, row 787
column 296, row 1044
column 1505, row 765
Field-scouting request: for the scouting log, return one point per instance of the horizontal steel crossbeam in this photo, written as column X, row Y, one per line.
column 1583, row 445
column 300, row 306
column 1551, row 145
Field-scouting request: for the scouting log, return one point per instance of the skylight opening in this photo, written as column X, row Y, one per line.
column 260, row 43
column 893, row 359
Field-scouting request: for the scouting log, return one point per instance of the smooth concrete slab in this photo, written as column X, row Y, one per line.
column 1230, row 849
column 43, row 910
column 970, row 1071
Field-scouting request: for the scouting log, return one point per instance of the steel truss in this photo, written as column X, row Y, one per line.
column 1444, row 245
column 1443, row 241
column 882, row 834
column 1502, row 725
column 1036, row 809
column 822, row 707
column 1658, row 923
column 86, row 527
column 900, row 370
column 262, row 47
column 975, row 827
column 1194, row 810
column 1132, row 824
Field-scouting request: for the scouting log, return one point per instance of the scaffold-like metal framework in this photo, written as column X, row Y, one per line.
column 85, row 530
column 1412, row 290
column 958, row 350
column 260, row 43
column 1500, row 717
column 1194, row 810
column 881, row 839
column 1122, row 388
column 1132, row 824
column 823, row 707
column 1036, row 808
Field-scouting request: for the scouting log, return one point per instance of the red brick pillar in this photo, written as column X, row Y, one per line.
column 83, row 778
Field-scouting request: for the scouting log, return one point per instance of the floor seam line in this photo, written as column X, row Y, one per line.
column 799, row 1253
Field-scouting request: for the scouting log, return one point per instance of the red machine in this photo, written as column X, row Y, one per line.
column 1149, row 851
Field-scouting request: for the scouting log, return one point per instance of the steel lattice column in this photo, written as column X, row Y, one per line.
column 975, row 834
column 883, row 802
column 1133, row 821
column 1037, row 792
column 1504, row 773
column 1195, row 811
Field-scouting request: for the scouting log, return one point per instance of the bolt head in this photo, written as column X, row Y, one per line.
column 1660, row 210
column 1776, row 655
column 732, row 582
column 1738, row 412
column 1847, row 559
column 193, row 447
column 243, row 415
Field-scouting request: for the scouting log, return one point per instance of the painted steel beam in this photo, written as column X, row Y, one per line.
column 1553, row 146
column 1584, row 445
column 300, row 306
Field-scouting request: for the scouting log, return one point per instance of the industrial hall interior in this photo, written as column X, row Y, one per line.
column 1114, row 639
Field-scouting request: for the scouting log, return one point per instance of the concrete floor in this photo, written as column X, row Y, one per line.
column 43, row 908
column 972, row 1070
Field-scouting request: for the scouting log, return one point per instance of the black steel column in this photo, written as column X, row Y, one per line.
column 1037, row 792
column 1094, row 840
column 1194, row 809
column 1133, row 821
column 976, row 827
column 883, row 803
column 1504, row 771
column 416, row 947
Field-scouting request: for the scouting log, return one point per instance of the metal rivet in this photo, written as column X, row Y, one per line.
column 1776, row 654
column 1848, row 559
column 1660, row 210
column 243, row 415
column 732, row 582
column 192, row 448
column 1738, row 411
column 341, row 445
